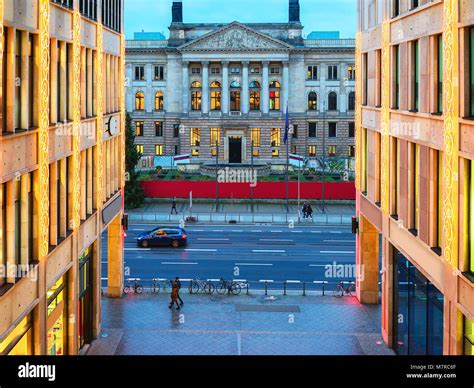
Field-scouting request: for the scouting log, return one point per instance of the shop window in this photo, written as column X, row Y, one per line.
column 57, row 318
column 20, row 341
column 468, row 337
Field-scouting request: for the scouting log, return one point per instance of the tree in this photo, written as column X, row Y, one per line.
column 134, row 194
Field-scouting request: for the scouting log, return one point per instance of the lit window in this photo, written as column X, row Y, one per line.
column 195, row 152
column 254, row 95
column 275, row 153
column 332, row 150
column 275, row 95
column 312, row 149
column 275, row 137
column 312, row 101
column 159, row 101
column 312, row 72
column 139, row 125
column 351, row 72
column 215, row 137
column 216, row 96
column 159, row 150
column 195, row 137
column 255, row 136
column 140, row 149
column 140, row 101
column 468, row 337
column 196, row 96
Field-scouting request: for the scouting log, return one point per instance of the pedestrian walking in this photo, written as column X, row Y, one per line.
column 173, row 206
column 305, row 210
column 309, row 211
column 178, row 286
column 174, row 295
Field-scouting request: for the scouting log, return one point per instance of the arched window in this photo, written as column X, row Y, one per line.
column 352, row 98
column 140, row 101
column 235, row 96
column 254, row 95
column 275, row 95
column 216, row 95
column 159, row 101
column 196, row 95
column 332, row 101
column 312, row 101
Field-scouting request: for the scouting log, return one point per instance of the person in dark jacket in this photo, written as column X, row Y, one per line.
column 305, row 210
column 173, row 206
column 309, row 211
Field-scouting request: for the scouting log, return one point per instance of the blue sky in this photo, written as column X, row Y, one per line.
column 316, row 15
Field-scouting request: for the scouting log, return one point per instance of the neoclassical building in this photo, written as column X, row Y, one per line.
column 225, row 87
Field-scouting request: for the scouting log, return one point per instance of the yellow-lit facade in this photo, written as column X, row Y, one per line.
column 61, row 169
column 414, row 162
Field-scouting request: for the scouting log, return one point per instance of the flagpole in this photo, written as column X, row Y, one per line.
column 287, row 137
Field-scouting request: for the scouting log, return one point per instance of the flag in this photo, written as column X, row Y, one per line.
column 287, row 125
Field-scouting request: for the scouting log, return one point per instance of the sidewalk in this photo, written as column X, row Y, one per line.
column 242, row 213
column 243, row 325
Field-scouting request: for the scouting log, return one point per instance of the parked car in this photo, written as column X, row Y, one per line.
column 174, row 237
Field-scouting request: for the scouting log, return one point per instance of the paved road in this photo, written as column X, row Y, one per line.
column 252, row 253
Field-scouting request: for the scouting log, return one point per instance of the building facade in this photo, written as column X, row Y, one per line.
column 415, row 171
column 222, row 87
column 61, row 150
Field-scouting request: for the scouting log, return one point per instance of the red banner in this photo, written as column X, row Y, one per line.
column 263, row 190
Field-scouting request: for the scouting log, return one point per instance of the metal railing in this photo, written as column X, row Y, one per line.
column 241, row 218
column 146, row 44
column 350, row 43
column 284, row 288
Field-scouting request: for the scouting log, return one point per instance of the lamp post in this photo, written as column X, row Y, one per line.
column 323, row 187
column 217, row 175
column 252, row 171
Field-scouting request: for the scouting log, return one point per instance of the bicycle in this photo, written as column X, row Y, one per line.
column 133, row 285
column 161, row 284
column 197, row 285
column 341, row 290
column 230, row 287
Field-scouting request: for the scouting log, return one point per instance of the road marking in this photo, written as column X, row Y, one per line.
column 254, row 264
column 339, row 241
column 201, row 250
column 238, row 231
column 276, row 240
column 240, row 280
column 213, row 239
column 257, row 231
column 268, row 251
column 218, row 231
column 139, row 230
column 333, row 232
column 293, row 281
column 213, row 280
column 296, row 231
column 137, row 249
column 321, row 265
column 276, row 231
column 338, row 252
column 177, row 263
column 266, row 281
column 316, row 231
column 196, row 230
column 105, row 279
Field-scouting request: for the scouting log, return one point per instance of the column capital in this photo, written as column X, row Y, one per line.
column 205, row 63
column 185, row 63
column 286, row 63
column 246, row 63
column 225, row 63
column 266, row 63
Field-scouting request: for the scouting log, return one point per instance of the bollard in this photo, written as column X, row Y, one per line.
column 284, row 288
column 248, row 288
column 266, row 289
column 323, row 289
column 304, row 288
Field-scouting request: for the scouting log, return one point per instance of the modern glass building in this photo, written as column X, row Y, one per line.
column 415, row 171
column 61, row 167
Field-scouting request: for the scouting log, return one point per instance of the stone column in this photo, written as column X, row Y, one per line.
column 225, row 87
column 367, row 259
column 53, row 81
column 25, row 75
column 63, row 81
column 205, row 87
column 286, row 86
column 185, row 87
column 115, row 255
column 130, row 95
column 149, row 95
column 245, row 88
column 265, row 88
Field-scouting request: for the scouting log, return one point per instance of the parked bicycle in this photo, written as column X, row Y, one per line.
column 161, row 284
column 197, row 285
column 342, row 290
column 229, row 287
column 133, row 285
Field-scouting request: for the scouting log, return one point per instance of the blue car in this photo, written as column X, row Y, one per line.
column 174, row 237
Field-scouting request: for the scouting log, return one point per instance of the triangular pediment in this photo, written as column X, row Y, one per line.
column 235, row 37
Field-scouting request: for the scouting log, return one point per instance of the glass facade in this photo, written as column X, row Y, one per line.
column 468, row 337
column 418, row 311
column 85, row 298
column 20, row 341
column 57, row 319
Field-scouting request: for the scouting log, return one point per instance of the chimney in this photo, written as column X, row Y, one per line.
column 294, row 11
column 177, row 11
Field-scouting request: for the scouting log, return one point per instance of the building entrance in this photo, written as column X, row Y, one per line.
column 235, row 149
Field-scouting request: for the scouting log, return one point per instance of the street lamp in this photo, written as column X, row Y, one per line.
column 323, row 187
column 252, row 170
column 217, row 175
